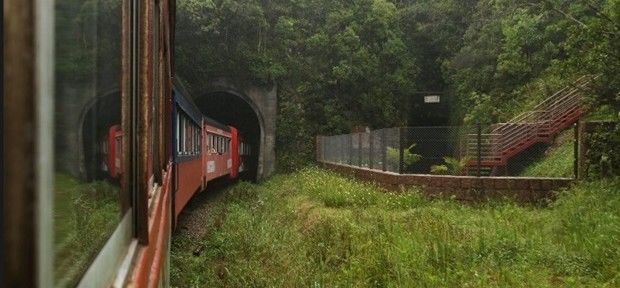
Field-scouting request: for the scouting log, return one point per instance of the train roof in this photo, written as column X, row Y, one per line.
column 216, row 124
column 189, row 107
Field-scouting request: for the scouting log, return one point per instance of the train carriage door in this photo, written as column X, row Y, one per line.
column 233, row 152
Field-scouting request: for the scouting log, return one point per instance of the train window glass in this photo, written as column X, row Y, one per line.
column 182, row 136
column 198, row 134
column 197, row 140
column 88, row 200
column 190, row 138
column 178, row 141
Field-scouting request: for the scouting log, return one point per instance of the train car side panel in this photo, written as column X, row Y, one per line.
column 189, row 179
column 234, row 152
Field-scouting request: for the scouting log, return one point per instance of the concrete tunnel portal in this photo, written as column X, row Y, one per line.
column 232, row 110
column 249, row 108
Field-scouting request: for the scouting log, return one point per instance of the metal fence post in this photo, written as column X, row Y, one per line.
column 318, row 148
column 479, row 150
column 359, row 150
column 576, row 151
column 383, row 152
column 350, row 154
column 370, row 150
column 401, row 150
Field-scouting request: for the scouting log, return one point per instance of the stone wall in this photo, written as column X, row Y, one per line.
column 463, row 188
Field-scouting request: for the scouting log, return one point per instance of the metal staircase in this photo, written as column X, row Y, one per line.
column 502, row 141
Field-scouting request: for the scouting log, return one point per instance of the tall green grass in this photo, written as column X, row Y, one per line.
column 558, row 162
column 85, row 215
column 314, row 228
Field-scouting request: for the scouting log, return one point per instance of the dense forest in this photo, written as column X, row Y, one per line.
column 341, row 64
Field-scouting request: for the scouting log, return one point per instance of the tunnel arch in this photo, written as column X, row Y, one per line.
column 236, row 109
column 261, row 101
column 87, row 138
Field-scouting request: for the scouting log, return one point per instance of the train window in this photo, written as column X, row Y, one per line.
column 190, row 136
column 178, row 133
column 198, row 136
column 88, row 200
column 196, row 144
column 182, row 136
column 199, row 140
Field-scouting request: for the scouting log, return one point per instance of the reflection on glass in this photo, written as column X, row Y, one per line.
column 87, row 200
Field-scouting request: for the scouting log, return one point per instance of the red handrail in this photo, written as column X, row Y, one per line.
column 545, row 120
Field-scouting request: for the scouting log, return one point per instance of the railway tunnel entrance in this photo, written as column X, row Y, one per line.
column 99, row 116
column 231, row 109
column 251, row 109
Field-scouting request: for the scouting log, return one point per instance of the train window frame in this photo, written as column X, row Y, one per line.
column 118, row 246
column 177, row 133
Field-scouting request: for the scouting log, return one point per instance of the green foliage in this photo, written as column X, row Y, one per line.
column 315, row 228
column 85, row 215
column 558, row 161
column 519, row 52
column 340, row 64
column 603, row 153
column 393, row 156
column 483, row 110
column 440, row 169
column 452, row 166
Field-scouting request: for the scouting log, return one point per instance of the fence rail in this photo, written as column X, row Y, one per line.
column 454, row 150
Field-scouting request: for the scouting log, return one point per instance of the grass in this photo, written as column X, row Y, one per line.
column 558, row 159
column 314, row 228
column 557, row 162
column 85, row 215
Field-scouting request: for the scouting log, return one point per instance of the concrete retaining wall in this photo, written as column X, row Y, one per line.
column 464, row 188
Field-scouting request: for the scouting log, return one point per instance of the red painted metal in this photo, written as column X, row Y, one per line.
column 150, row 257
column 234, row 152
column 217, row 164
column 114, row 153
column 540, row 125
column 189, row 181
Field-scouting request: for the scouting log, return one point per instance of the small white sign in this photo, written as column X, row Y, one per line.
column 210, row 166
column 229, row 163
column 432, row 99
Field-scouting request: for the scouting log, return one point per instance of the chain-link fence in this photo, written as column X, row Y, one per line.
column 454, row 150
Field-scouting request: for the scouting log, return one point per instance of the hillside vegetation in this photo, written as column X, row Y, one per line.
column 314, row 228
column 339, row 64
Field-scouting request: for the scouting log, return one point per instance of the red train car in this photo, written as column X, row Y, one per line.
column 204, row 150
column 113, row 150
column 158, row 149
